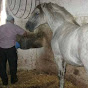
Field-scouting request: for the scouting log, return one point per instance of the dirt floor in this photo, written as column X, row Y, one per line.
column 33, row 79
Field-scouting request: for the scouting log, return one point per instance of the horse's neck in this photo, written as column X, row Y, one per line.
column 65, row 28
column 54, row 21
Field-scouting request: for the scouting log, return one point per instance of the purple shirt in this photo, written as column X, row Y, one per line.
column 8, row 34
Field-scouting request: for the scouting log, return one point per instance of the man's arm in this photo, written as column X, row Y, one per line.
column 20, row 31
column 25, row 34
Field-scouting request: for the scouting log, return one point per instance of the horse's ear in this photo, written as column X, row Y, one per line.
column 44, row 5
column 49, row 3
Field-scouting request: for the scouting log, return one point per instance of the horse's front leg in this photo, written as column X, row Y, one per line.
column 61, row 64
column 61, row 71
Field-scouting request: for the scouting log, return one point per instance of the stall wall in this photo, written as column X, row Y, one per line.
column 21, row 9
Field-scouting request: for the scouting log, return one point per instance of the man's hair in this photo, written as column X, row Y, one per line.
column 9, row 18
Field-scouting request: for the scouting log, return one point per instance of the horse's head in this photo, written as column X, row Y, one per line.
column 50, row 13
column 36, row 18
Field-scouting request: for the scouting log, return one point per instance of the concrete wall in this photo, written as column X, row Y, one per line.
column 21, row 10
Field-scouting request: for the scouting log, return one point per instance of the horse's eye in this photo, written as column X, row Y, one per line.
column 36, row 13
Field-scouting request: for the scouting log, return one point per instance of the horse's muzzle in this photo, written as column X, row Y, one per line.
column 30, row 26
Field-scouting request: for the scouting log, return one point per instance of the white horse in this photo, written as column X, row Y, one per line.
column 69, row 41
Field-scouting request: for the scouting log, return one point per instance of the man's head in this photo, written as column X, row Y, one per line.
column 10, row 19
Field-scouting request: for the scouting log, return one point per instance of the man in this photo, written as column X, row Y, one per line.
column 8, row 52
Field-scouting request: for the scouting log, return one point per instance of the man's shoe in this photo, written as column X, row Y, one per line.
column 14, row 80
column 5, row 82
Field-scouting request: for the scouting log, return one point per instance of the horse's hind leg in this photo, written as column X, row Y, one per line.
column 61, row 70
column 62, row 74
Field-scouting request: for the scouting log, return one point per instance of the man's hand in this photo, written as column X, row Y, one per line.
column 25, row 34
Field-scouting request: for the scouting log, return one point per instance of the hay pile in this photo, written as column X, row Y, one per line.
column 32, row 79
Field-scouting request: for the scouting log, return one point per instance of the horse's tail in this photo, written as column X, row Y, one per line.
column 83, row 45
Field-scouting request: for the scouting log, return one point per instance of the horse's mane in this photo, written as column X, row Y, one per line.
column 52, row 7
